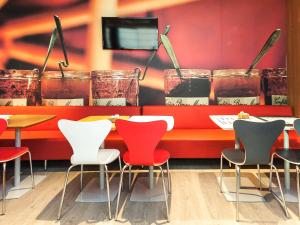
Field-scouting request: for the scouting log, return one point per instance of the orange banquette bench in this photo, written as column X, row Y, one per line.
column 45, row 140
column 196, row 136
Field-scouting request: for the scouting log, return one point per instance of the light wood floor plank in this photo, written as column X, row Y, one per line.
column 195, row 199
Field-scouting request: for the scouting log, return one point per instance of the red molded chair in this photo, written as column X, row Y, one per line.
column 8, row 154
column 141, row 139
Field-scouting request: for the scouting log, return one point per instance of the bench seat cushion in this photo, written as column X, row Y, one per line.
column 207, row 143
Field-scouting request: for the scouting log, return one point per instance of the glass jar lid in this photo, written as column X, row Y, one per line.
column 188, row 73
column 115, row 74
column 274, row 72
column 18, row 74
column 67, row 74
column 235, row 72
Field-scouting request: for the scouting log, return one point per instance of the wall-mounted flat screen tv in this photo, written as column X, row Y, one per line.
column 130, row 33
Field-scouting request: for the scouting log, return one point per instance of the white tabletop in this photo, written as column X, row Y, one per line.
column 168, row 119
column 226, row 121
column 289, row 121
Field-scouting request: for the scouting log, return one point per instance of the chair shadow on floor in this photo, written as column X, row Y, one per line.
column 76, row 212
column 269, row 211
column 141, row 212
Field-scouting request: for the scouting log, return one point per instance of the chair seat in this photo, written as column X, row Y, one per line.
column 236, row 156
column 160, row 157
column 105, row 156
column 11, row 153
column 291, row 155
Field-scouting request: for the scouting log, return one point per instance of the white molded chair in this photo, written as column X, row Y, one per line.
column 86, row 139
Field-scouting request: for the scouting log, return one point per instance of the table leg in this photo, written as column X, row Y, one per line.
column 18, row 160
column 286, row 163
column 151, row 175
column 101, row 177
column 102, row 170
column 91, row 193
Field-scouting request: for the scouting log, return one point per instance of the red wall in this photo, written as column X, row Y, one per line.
column 216, row 34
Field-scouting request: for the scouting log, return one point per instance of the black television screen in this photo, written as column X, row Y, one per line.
column 130, row 33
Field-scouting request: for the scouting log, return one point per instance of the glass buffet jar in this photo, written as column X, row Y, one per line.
column 193, row 88
column 18, row 87
column 235, row 87
column 115, row 87
column 274, row 84
column 71, row 90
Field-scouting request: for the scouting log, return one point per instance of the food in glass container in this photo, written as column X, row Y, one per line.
column 115, row 87
column 71, row 90
column 193, row 88
column 18, row 87
column 235, row 87
column 274, row 83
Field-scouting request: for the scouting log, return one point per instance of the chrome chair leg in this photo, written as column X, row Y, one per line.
column 271, row 173
column 298, row 189
column 81, row 177
column 119, row 193
column 165, row 192
column 45, row 165
column 281, row 192
column 221, row 170
column 3, row 188
column 259, row 176
column 169, row 177
column 120, row 166
column 129, row 178
column 237, row 170
column 31, row 171
column 64, row 190
column 108, row 192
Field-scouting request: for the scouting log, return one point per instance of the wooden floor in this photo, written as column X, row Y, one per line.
column 195, row 199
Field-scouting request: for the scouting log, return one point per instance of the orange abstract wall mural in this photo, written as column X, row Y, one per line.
column 205, row 34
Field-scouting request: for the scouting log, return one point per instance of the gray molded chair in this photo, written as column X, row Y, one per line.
column 293, row 157
column 257, row 139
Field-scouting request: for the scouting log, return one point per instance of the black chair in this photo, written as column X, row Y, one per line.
column 257, row 139
column 293, row 157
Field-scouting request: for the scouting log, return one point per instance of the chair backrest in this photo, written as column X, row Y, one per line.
column 3, row 125
column 85, row 138
column 258, row 139
column 297, row 126
column 141, row 139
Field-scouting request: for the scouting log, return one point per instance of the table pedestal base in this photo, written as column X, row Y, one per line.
column 248, row 191
column 25, row 186
column 290, row 196
column 244, row 197
column 142, row 193
column 92, row 193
